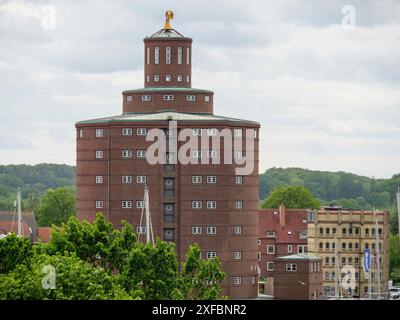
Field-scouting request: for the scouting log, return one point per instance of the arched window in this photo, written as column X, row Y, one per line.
column 321, row 245
column 333, row 231
column 366, row 231
column 327, row 245
column 343, row 260
column 328, row 231
column 321, row 231
column 326, row 260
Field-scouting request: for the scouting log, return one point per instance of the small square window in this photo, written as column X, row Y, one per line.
column 126, row 153
column 191, row 98
column 197, row 204
column 140, row 204
column 239, row 179
column 212, row 179
column 156, row 78
column 99, row 133
column 99, row 204
column 270, row 249
column 270, row 266
column 99, row 179
column 126, row 179
column 140, row 229
column 99, row 154
column 211, row 230
column 207, row 98
column 141, row 153
column 238, row 281
column 212, row 132
column 168, row 78
column 146, row 97
column 197, row 154
column 197, row 230
column 141, row 131
column 126, row 204
column 211, row 204
column 238, row 255
column 238, row 204
column 211, row 255
column 197, row 131
column 127, row 131
column 141, row 179
column 237, row 230
column 197, row 179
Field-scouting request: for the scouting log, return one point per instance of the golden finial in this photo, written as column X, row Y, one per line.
column 169, row 15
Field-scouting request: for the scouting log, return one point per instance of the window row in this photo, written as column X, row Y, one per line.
column 198, row 204
column 124, row 179
column 348, row 231
column 127, row 204
column 180, row 55
column 347, row 246
column 213, row 179
column 168, row 78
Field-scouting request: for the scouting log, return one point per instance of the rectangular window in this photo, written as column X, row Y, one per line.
column 238, row 204
column 127, row 131
column 238, row 255
column 302, row 249
column 140, row 229
column 270, row 249
column 303, row 234
column 197, row 154
column 197, row 179
column 126, row 204
column 99, row 154
column 146, row 97
column 141, row 153
column 179, row 78
column 187, row 79
column 99, row 179
column 140, row 204
column 212, row 132
column 207, row 98
column 211, row 204
column 188, row 55
column 211, row 255
column 212, row 230
column 99, row 204
column 270, row 266
column 239, row 179
column 212, row 154
column 168, row 55
column 126, row 153
column 168, row 78
column 191, row 97
column 237, row 230
column 179, row 55
column 197, row 204
column 81, row 133
column 289, row 248
column 168, row 97
column 147, row 55
column 291, row 266
column 126, row 179
column 271, row 234
column 147, row 78
column 197, row 131
column 156, row 55
column 197, row 230
column 238, row 132
column 212, row 179
column 156, row 78
column 141, row 179
column 141, row 131
column 237, row 281
column 99, row 133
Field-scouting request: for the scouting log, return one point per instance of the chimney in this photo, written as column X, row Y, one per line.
column 282, row 220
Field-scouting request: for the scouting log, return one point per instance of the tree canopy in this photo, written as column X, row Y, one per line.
column 291, row 197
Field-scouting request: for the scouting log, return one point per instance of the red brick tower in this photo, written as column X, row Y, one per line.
column 208, row 204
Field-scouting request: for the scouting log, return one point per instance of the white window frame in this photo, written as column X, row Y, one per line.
column 168, row 78
column 211, row 254
column 291, row 267
column 156, row 78
column 156, row 55
column 197, row 204
column 179, row 55
column 212, row 204
column 168, row 55
column 146, row 97
column 179, row 78
column 237, row 281
column 239, row 179
column 140, row 204
column 99, row 204
column 289, row 248
column 99, row 154
column 197, row 179
column 207, row 98
column 126, row 131
column 140, row 154
column 141, row 131
column 141, row 179
column 197, row 230
column 239, row 204
column 269, row 268
column 238, row 255
column 147, row 78
column 238, row 133
column 197, row 154
column 273, row 249
column 126, row 153
column 126, row 179
column 212, row 154
column 212, row 132
column 191, row 97
column 237, row 230
column 302, row 248
column 140, row 229
column 168, row 97
column 81, row 133
column 187, row 55
column 211, row 230
column 99, row 179
column 187, row 79
column 147, row 55
column 126, row 204
column 99, row 133
column 212, row 179
column 197, row 131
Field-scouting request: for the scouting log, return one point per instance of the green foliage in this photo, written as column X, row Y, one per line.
column 201, row 279
column 339, row 188
column 394, row 242
column 34, row 180
column 97, row 243
column 291, row 197
column 74, row 279
column 56, row 206
column 14, row 250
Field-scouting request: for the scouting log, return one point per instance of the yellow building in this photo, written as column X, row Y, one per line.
column 352, row 232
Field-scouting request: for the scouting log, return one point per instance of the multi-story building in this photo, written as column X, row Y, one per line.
column 281, row 232
column 208, row 202
column 351, row 232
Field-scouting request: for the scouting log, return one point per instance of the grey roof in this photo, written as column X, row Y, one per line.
column 167, row 33
column 161, row 89
column 164, row 116
column 299, row 256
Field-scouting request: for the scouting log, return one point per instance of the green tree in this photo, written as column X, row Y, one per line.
column 56, row 206
column 74, row 279
column 98, row 243
column 291, row 197
column 201, row 279
column 14, row 250
column 394, row 242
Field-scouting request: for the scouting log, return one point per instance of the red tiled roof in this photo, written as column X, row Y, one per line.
column 8, row 226
column 44, row 234
column 294, row 223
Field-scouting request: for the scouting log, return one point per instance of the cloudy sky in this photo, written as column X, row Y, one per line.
column 322, row 77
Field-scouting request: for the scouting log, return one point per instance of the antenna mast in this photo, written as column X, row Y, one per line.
column 148, row 224
column 20, row 231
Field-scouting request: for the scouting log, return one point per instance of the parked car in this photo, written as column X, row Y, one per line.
column 394, row 293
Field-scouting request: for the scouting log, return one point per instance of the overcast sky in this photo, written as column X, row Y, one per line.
column 325, row 87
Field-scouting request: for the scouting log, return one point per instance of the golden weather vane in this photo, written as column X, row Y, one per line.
column 169, row 15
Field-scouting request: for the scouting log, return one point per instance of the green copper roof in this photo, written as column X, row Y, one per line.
column 155, row 89
column 164, row 116
column 299, row 256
